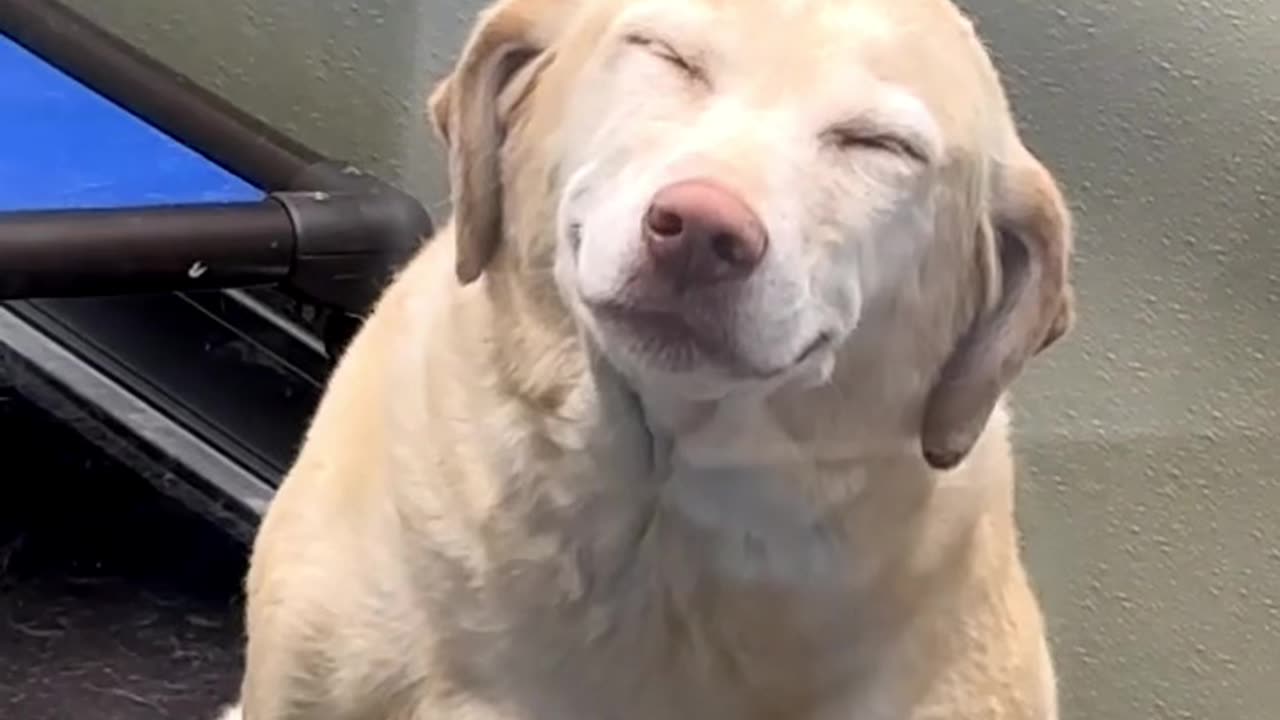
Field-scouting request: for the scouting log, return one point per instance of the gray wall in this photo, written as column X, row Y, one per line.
column 1151, row 501
column 1153, row 507
column 349, row 78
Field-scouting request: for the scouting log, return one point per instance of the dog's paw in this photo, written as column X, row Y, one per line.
column 231, row 712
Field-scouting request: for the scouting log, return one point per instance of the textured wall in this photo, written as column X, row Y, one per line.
column 1151, row 501
column 1152, row 508
column 348, row 77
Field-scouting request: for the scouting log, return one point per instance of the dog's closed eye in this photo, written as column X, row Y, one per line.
column 860, row 136
column 667, row 53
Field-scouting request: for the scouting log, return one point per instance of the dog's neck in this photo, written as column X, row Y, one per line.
column 801, row 522
column 773, row 484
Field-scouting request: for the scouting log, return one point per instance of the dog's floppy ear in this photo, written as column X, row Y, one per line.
column 1031, row 229
column 440, row 107
column 465, row 111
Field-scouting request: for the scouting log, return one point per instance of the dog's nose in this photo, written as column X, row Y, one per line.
column 700, row 233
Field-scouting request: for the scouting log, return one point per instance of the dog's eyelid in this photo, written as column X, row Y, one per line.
column 665, row 50
column 648, row 41
column 862, row 133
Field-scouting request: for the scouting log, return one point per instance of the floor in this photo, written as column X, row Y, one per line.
column 115, row 603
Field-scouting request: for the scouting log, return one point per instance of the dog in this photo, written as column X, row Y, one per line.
column 696, row 407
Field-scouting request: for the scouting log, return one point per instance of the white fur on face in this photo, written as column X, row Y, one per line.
column 757, row 118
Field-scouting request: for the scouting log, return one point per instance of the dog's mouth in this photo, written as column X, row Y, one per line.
column 676, row 342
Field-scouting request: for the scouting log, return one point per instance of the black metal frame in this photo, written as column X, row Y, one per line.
column 192, row 341
column 344, row 229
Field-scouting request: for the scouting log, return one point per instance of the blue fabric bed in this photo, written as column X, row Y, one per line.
column 63, row 146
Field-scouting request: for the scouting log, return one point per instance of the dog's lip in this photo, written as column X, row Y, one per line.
column 820, row 341
column 671, row 327
column 668, row 326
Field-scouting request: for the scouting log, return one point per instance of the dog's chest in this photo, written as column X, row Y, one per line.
column 713, row 598
column 692, row 580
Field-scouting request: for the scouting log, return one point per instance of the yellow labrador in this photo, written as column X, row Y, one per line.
column 695, row 409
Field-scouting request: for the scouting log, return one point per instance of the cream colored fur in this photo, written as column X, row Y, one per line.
column 506, row 510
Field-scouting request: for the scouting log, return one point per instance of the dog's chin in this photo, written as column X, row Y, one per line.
column 664, row 348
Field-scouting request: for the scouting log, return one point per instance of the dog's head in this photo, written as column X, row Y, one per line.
column 731, row 192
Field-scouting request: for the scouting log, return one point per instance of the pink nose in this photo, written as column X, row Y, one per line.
column 701, row 233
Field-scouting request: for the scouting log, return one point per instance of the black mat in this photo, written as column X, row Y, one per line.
column 115, row 603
